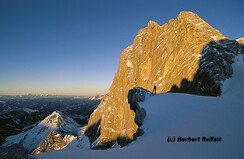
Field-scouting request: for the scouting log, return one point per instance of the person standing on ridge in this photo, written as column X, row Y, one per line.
column 154, row 89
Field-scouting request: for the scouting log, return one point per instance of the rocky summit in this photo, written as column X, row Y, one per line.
column 185, row 55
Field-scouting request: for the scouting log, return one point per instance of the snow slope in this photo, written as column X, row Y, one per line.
column 179, row 115
column 234, row 86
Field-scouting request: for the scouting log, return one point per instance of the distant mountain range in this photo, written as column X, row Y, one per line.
column 29, row 96
column 21, row 114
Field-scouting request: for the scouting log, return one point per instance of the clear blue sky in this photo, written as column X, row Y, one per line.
column 72, row 47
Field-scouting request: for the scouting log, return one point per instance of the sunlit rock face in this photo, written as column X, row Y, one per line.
column 240, row 40
column 54, row 141
column 163, row 56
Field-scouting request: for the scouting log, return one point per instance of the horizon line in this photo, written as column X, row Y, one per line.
column 48, row 95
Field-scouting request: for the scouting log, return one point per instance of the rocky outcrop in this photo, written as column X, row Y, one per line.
column 54, row 141
column 136, row 95
column 167, row 56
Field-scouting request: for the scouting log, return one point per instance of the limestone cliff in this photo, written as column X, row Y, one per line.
column 160, row 55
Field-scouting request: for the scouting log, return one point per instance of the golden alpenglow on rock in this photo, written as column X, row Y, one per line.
column 163, row 56
column 240, row 40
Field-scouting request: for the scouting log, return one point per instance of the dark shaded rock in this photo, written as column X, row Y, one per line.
column 15, row 151
column 215, row 67
column 137, row 95
column 123, row 141
column 93, row 133
column 139, row 132
column 140, row 115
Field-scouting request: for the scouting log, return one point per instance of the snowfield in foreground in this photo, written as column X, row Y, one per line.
column 178, row 115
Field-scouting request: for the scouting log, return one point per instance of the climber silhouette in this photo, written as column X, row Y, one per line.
column 154, row 89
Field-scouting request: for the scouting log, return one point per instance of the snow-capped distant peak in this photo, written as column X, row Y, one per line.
column 54, row 120
column 57, row 121
column 97, row 97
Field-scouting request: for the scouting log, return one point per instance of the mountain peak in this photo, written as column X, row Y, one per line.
column 165, row 57
column 55, row 120
column 191, row 18
column 151, row 24
column 188, row 15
